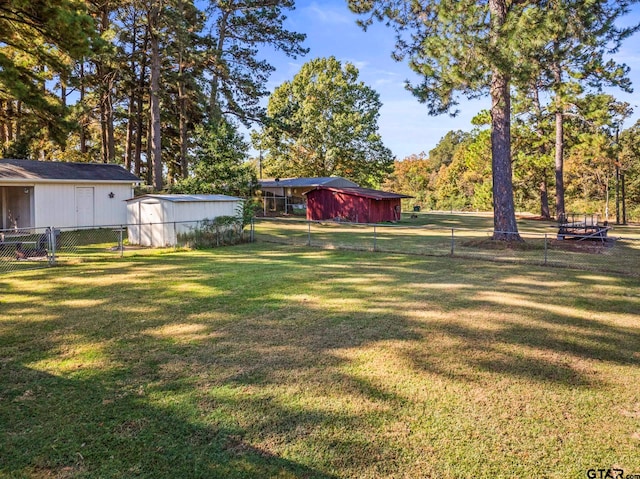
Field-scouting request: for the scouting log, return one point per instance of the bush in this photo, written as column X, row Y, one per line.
column 221, row 231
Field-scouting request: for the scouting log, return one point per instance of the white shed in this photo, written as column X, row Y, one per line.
column 157, row 220
column 36, row 194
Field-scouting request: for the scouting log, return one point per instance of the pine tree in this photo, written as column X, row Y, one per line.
column 465, row 47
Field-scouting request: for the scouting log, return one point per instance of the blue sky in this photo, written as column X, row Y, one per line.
column 405, row 126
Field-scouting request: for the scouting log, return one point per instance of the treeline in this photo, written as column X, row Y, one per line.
column 601, row 166
column 130, row 81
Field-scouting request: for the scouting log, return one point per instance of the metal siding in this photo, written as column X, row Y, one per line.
column 133, row 222
column 176, row 217
column 324, row 204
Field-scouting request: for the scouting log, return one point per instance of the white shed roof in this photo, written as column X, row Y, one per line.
column 189, row 198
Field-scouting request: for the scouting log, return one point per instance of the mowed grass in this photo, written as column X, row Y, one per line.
column 466, row 235
column 262, row 361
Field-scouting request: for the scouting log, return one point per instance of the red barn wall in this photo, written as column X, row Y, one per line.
column 328, row 205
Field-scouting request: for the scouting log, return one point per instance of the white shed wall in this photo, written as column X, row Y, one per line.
column 157, row 222
column 56, row 204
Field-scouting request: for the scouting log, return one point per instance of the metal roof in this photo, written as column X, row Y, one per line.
column 31, row 170
column 365, row 193
column 305, row 182
column 189, row 198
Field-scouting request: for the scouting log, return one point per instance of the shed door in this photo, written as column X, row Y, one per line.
column 152, row 226
column 84, row 206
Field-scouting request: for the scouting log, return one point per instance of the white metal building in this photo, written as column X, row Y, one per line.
column 157, row 220
column 36, row 194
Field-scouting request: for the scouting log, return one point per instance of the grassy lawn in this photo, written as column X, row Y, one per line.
column 467, row 235
column 262, row 361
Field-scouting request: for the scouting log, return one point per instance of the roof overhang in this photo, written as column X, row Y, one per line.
column 32, row 181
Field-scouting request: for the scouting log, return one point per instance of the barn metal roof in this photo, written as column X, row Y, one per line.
column 189, row 198
column 365, row 193
column 306, row 182
column 31, row 170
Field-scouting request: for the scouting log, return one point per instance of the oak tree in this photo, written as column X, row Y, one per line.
column 324, row 122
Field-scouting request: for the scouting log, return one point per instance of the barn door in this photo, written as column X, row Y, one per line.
column 84, row 206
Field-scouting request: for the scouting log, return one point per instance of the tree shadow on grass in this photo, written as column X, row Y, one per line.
column 240, row 336
column 87, row 429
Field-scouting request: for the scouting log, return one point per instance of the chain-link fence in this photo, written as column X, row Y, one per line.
column 605, row 253
column 41, row 247
column 36, row 248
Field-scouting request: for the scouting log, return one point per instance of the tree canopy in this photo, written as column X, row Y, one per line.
column 219, row 163
column 40, row 39
column 162, row 68
column 471, row 48
column 324, row 122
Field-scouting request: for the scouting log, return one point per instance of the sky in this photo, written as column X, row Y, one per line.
column 404, row 123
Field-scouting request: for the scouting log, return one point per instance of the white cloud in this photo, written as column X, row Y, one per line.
column 326, row 14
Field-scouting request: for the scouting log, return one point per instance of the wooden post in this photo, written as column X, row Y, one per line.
column 120, row 241
column 375, row 239
column 452, row 242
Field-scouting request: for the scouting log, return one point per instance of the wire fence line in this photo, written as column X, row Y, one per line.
column 606, row 254
column 32, row 248
column 43, row 247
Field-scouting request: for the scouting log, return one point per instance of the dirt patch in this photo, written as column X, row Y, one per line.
column 589, row 247
column 491, row 244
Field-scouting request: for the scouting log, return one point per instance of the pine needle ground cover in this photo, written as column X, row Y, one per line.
column 261, row 361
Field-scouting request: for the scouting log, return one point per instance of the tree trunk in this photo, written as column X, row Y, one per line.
column 148, row 163
column 559, row 168
column 18, row 121
column 4, row 124
column 104, row 141
column 544, row 200
column 182, row 99
column 504, row 217
column 140, row 120
column 154, row 98
column 111, row 137
column 214, row 106
column 559, row 146
column 137, row 161
column 106, row 77
column 83, row 134
column 128, row 149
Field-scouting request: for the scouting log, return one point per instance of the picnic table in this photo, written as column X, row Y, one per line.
column 581, row 230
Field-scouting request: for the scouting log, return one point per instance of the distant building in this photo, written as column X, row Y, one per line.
column 36, row 194
column 357, row 205
column 287, row 195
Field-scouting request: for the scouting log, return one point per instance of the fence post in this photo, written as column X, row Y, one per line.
column 121, row 241
column 309, row 233
column 545, row 249
column 452, row 242
column 375, row 239
column 52, row 242
column 175, row 235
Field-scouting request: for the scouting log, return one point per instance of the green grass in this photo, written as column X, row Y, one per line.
column 432, row 234
column 263, row 361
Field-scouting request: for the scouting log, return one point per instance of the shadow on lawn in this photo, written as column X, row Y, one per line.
column 92, row 428
column 193, row 371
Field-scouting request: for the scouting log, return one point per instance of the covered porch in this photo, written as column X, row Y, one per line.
column 16, row 207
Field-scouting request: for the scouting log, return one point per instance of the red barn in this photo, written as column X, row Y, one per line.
column 358, row 205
